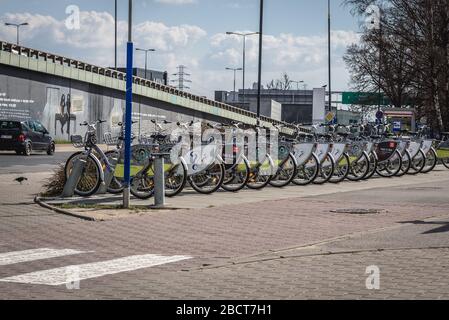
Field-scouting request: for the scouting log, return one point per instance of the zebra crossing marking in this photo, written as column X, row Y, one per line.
column 64, row 275
column 15, row 257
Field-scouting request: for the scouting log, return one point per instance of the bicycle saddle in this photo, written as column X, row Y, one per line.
column 343, row 134
column 158, row 136
column 376, row 137
column 324, row 135
column 123, row 138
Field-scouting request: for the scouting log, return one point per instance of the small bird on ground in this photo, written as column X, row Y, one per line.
column 21, row 179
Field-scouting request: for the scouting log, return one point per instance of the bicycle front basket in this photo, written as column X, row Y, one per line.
column 110, row 140
column 77, row 141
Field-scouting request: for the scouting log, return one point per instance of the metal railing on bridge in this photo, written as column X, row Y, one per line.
column 121, row 76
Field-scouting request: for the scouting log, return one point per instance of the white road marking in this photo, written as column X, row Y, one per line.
column 34, row 254
column 59, row 276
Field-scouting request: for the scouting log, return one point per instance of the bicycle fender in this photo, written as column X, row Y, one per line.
column 220, row 159
column 294, row 160
column 99, row 166
column 271, row 161
column 183, row 162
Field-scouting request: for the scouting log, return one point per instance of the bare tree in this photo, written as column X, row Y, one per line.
column 413, row 67
column 284, row 83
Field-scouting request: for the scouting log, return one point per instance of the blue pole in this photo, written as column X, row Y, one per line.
column 129, row 111
column 128, row 115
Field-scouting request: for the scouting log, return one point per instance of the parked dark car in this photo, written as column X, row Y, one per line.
column 24, row 137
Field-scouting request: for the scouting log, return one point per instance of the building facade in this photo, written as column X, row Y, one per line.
column 292, row 106
column 348, row 118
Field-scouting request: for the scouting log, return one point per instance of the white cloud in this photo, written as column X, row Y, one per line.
column 94, row 41
column 165, row 38
column 303, row 57
column 285, row 50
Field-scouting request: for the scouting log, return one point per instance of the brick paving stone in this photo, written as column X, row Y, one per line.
column 218, row 235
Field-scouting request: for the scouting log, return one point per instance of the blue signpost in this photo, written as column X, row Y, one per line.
column 397, row 126
column 129, row 110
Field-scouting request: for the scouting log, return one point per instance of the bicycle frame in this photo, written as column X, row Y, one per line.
column 303, row 152
column 238, row 156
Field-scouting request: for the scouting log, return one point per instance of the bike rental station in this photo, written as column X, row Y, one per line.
column 208, row 157
column 232, row 157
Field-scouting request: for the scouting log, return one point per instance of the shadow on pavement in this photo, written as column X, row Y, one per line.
column 444, row 226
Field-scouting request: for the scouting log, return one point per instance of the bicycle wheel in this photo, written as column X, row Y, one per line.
column 326, row 171
column 418, row 163
column 285, row 174
column 431, row 161
column 390, row 168
column 406, row 164
column 116, row 185
column 260, row 176
column 341, row 170
column 308, row 172
column 142, row 186
column 175, row 180
column 445, row 162
column 90, row 180
column 372, row 166
column 210, row 180
column 236, row 177
column 359, row 169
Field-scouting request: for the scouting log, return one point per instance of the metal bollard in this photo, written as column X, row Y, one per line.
column 109, row 175
column 75, row 176
column 159, row 182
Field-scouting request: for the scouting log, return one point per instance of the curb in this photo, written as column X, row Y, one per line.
column 40, row 201
column 60, row 148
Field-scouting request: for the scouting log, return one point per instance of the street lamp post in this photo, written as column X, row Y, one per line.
column 244, row 35
column 297, row 87
column 259, row 89
column 146, row 68
column 146, row 58
column 116, row 33
column 235, row 73
column 379, row 107
column 297, row 83
column 329, row 53
column 18, row 27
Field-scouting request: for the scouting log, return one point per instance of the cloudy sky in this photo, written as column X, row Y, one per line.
column 192, row 32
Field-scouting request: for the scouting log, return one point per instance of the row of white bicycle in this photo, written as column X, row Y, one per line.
column 229, row 159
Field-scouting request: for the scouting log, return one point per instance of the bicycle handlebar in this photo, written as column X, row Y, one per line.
column 85, row 123
column 185, row 124
column 121, row 124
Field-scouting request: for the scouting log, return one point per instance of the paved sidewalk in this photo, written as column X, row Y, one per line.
column 189, row 199
column 293, row 248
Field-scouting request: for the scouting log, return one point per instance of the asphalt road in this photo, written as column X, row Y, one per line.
column 10, row 163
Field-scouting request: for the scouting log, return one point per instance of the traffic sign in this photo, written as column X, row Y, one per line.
column 397, row 126
column 330, row 116
column 364, row 98
column 379, row 115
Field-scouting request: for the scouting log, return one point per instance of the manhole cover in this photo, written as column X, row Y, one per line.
column 358, row 211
